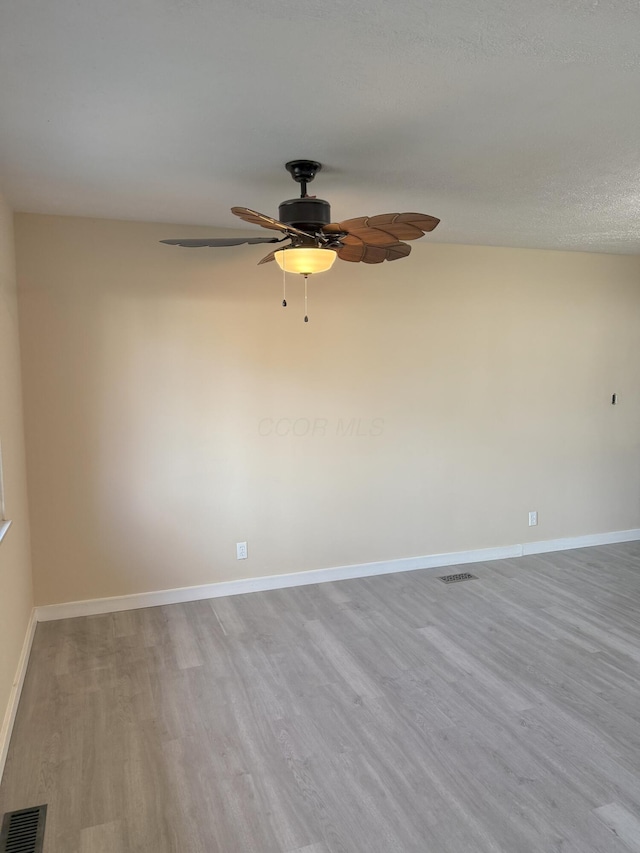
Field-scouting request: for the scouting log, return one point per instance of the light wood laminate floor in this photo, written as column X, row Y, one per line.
column 368, row 716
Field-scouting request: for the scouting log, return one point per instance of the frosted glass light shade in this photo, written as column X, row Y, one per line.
column 305, row 261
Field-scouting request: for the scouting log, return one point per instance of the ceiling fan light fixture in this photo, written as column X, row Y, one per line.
column 305, row 260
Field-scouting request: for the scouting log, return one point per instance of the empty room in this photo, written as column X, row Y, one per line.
column 319, row 427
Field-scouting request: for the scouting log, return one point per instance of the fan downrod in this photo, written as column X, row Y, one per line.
column 303, row 171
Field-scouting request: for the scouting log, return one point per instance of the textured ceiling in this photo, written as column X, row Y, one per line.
column 515, row 121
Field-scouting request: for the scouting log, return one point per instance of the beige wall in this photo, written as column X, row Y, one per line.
column 16, row 598
column 481, row 379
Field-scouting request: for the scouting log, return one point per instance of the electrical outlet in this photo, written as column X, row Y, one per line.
column 241, row 550
column 533, row 519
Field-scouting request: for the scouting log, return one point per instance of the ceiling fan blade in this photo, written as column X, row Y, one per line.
column 352, row 253
column 337, row 227
column 370, row 236
column 393, row 222
column 265, row 221
column 386, row 228
column 398, row 250
column 354, row 250
column 220, row 241
column 270, row 257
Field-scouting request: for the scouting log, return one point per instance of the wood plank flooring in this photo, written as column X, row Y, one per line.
column 500, row 715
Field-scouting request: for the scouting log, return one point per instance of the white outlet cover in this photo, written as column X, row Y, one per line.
column 533, row 519
column 241, row 550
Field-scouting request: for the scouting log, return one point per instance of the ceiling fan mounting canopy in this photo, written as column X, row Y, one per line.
column 303, row 171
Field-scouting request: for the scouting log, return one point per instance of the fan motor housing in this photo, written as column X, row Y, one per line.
column 308, row 214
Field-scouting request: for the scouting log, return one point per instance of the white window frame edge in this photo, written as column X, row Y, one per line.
column 5, row 524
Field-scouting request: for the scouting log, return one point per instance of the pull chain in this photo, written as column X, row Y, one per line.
column 284, row 284
column 306, row 316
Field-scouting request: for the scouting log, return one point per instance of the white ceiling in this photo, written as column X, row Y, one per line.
column 515, row 121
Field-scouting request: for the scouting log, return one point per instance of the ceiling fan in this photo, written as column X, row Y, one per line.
column 306, row 223
column 313, row 242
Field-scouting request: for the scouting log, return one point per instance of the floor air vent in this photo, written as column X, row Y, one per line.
column 461, row 576
column 23, row 831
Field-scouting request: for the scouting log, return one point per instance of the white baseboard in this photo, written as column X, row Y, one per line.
column 581, row 541
column 16, row 690
column 95, row 606
column 4, row 526
column 136, row 601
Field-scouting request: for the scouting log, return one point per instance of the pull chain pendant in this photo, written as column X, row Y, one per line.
column 284, row 288
column 306, row 315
